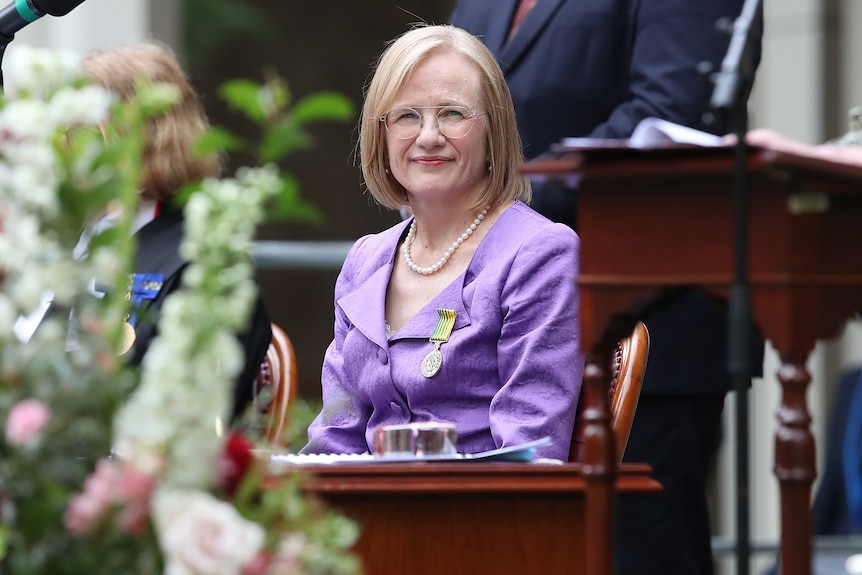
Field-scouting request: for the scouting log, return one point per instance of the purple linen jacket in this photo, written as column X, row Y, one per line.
column 512, row 367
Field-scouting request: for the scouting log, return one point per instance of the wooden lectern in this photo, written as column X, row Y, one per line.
column 468, row 518
column 649, row 219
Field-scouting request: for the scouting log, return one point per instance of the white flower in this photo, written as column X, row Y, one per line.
column 26, row 291
column 26, row 119
column 196, row 356
column 66, row 280
column 38, row 72
column 30, row 176
column 200, row 535
column 8, row 316
column 105, row 261
column 88, row 106
column 148, row 461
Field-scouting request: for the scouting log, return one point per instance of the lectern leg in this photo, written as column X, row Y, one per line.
column 600, row 466
column 795, row 469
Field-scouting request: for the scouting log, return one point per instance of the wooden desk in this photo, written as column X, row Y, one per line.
column 655, row 218
column 468, row 518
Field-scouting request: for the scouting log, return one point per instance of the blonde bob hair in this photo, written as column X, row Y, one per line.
column 168, row 161
column 503, row 181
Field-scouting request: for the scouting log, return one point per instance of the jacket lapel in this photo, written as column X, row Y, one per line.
column 364, row 306
column 530, row 28
column 498, row 27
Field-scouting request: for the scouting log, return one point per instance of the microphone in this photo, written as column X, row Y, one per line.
column 19, row 13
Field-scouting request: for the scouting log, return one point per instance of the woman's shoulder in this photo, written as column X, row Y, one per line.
column 372, row 251
column 522, row 223
column 524, row 238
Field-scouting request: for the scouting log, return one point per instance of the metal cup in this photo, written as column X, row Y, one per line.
column 425, row 439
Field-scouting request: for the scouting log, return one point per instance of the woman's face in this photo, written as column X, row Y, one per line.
column 431, row 166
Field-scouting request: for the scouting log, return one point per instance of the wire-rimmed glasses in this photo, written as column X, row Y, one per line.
column 405, row 123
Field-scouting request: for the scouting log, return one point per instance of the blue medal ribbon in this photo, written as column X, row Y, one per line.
column 142, row 287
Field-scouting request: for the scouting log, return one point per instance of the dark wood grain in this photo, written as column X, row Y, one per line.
column 469, row 518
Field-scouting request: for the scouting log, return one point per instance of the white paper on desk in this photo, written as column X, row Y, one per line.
column 649, row 133
column 522, row 452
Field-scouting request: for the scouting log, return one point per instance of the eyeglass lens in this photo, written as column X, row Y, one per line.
column 452, row 121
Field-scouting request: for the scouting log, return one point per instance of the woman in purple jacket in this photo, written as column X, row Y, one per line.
column 467, row 312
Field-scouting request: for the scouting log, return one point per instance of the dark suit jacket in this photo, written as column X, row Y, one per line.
column 830, row 514
column 596, row 68
column 158, row 252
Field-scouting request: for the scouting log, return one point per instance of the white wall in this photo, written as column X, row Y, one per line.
column 93, row 24
column 104, row 24
column 787, row 92
column 851, row 88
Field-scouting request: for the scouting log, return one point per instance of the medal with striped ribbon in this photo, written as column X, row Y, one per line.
column 140, row 287
column 434, row 360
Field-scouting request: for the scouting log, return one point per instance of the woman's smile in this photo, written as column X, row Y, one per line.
column 431, row 161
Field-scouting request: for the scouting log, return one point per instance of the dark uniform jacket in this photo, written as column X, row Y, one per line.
column 158, row 253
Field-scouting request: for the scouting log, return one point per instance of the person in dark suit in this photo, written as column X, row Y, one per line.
column 595, row 68
column 837, row 506
column 168, row 164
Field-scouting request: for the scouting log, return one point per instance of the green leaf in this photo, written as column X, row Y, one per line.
column 282, row 139
column 217, row 140
column 181, row 198
column 155, row 98
column 289, row 206
column 4, row 536
column 323, row 106
column 244, row 95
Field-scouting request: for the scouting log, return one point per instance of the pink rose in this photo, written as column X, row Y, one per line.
column 112, row 486
column 258, row 565
column 26, row 420
column 201, row 535
column 286, row 558
column 88, row 507
column 134, row 493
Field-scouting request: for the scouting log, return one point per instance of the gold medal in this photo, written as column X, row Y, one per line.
column 434, row 360
column 128, row 338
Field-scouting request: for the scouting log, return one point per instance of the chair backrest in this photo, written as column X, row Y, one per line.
column 277, row 385
column 627, row 372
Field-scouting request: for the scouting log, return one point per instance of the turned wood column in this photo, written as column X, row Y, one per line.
column 795, row 468
column 600, row 468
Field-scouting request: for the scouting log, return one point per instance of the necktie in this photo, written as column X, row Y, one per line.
column 524, row 6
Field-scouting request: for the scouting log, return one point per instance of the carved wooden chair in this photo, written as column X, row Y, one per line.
column 276, row 386
column 627, row 372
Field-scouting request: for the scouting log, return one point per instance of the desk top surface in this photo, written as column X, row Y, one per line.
column 462, row 477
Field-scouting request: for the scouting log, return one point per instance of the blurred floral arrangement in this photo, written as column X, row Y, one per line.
column 107, row 469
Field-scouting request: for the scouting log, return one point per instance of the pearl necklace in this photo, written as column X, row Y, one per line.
column 411, row 235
